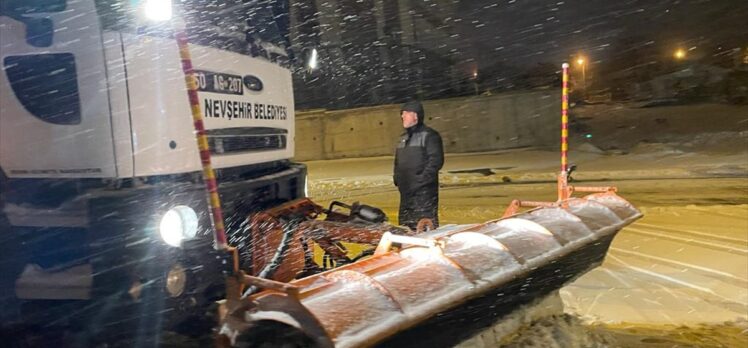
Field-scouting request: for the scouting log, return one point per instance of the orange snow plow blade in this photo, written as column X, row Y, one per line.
column 437, row 288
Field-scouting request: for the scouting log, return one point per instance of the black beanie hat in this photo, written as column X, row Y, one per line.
column 414, row 106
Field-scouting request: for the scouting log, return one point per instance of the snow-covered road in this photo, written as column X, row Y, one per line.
column 685, row 262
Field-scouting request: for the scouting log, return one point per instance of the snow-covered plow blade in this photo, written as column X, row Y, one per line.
column 436, row 289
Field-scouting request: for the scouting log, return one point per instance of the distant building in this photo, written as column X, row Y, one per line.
column 374, row 51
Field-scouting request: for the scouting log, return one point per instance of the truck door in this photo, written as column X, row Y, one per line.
column 55, row 118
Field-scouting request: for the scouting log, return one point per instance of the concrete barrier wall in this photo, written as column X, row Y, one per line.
column 468, row 124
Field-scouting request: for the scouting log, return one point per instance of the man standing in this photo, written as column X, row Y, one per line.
column 418, row 158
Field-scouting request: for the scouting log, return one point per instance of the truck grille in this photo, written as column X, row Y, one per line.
column 235, row 140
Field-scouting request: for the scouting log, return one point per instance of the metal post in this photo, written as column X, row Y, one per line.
column 209, row 177
column 584, row 81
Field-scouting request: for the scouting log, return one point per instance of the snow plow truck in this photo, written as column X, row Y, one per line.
column 105, row 222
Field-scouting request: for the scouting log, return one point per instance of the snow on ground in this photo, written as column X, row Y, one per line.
column 684, row 263
column 678, row 265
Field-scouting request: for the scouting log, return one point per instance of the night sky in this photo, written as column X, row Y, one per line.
column 518, row 44
column 531, row 31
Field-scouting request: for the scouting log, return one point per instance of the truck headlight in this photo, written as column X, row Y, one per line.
column 178, row 224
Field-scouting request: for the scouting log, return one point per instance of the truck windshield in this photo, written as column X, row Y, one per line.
column 256, row 27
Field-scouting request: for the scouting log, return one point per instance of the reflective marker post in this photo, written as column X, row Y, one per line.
column 563, row 190
column 564, row 117
column 209, row 176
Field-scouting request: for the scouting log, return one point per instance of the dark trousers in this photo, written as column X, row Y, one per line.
column 423, row 203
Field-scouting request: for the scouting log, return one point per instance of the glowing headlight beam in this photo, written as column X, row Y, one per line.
column 158, row 10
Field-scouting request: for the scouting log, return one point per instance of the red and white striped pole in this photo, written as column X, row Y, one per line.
column 209, row 176
column 563, row 191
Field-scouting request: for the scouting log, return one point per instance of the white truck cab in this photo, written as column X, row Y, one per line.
column 97, row 143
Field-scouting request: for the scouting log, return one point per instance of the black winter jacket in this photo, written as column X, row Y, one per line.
column 418, row 159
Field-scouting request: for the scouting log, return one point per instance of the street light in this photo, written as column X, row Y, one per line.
column 679, row 54
column 582, row 63
column 475, row 81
